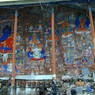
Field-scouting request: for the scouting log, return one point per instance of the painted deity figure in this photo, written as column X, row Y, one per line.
column 66, row 30
column 85, row 39
column 67, row 34
column 36, row 51
column 82, row 25
column 6, row 42
column 83, row 29
column 68, row 42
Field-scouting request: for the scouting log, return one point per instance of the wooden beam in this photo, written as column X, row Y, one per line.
column 14, row 49
column 53, row 44
column 92, row 28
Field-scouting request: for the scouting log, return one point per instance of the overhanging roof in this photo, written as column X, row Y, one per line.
column 21, row 2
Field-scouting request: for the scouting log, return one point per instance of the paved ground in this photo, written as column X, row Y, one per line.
column 28, row 91
column 23, row 91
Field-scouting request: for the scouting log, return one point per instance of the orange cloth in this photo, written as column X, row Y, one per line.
column 82, row 29
column 80, row 83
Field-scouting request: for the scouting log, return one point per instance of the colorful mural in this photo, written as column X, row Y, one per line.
column 6, row 47
column 73, row 42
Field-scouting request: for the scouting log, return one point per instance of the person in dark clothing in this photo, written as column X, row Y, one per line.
column 73, row 91
column 42, row 89
column 9, row 82
column 54, row 88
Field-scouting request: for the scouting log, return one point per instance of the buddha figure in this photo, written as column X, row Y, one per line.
column 66, row 30
column 82, row 25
